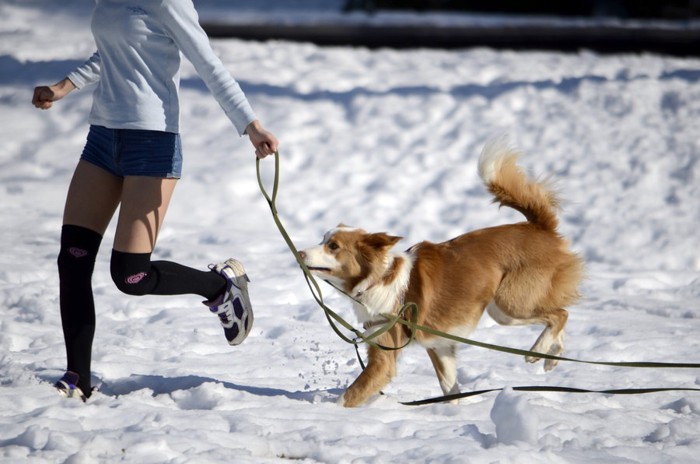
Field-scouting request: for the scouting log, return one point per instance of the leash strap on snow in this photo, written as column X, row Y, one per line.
column 411, row 323
column 623, row 391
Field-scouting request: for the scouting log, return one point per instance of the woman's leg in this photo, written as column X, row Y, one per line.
column 92, row 198
column 144, row 204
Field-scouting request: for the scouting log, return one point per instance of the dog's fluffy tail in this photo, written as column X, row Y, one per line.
column 511, row 186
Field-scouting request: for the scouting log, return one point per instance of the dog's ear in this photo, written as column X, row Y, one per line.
column 341, row 225
column 380, row 240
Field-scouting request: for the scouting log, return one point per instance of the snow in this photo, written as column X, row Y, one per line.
column 386, row 140
column 514, row 419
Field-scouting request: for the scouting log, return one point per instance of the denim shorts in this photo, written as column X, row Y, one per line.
column 134, row 152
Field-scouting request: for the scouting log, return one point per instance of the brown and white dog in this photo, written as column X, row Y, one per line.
column 520, row 273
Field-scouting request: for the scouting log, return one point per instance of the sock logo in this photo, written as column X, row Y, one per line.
column 77, row 252
column 136, row 278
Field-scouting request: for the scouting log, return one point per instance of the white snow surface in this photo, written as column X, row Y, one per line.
column 388, row 141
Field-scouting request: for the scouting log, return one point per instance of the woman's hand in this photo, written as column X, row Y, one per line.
column 45, row 95
column 264, row 141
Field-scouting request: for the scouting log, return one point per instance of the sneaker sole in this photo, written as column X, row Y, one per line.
column 240, row 305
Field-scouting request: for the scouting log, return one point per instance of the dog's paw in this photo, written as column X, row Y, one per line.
column 555, row 350
column 350, row 399
column 550, row 364
column 341, row 400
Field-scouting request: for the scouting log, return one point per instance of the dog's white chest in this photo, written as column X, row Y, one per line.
column 375, row 299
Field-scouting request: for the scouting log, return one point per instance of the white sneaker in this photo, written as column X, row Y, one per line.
column 233, row 307
column 68, row 386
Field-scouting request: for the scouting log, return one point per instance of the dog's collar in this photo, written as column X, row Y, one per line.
column 358, row 295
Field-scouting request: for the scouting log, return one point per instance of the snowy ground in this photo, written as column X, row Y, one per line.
column 388, row 141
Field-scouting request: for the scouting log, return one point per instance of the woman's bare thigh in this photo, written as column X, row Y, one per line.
column 144, row 202
column 93, row 196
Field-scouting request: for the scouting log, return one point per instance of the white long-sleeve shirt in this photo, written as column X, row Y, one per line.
column 137, row 66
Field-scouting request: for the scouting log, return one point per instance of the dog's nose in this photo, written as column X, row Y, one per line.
column 302, row 255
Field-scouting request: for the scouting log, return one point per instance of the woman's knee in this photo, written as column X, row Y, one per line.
column 76, row 259
column 132, row 272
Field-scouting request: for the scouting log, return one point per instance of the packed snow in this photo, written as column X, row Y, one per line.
column 385, row 140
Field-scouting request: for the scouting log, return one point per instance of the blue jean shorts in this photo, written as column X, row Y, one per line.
column 134, row 152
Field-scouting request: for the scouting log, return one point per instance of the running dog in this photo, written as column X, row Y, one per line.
column 521, row 273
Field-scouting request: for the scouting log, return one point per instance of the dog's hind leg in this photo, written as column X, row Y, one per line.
column 551, row 340
column 500, row 316
column 444, row 360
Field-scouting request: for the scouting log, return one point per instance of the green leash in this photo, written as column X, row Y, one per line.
column 623, row 391
column 333, row 318
column 411, row 323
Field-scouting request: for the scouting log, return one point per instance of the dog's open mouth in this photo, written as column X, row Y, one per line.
column 319, row 269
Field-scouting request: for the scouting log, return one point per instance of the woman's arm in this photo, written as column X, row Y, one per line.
column 182, row 24
column 45, row 95
column 87, row 73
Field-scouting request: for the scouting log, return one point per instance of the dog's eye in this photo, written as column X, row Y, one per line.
column 333, row 246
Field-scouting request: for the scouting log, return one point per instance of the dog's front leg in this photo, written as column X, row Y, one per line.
column 381, row 368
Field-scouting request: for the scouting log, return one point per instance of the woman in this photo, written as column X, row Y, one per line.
column 132, row 159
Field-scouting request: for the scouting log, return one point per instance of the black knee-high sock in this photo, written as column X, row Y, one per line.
column 136, row 274
column 76, row 261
